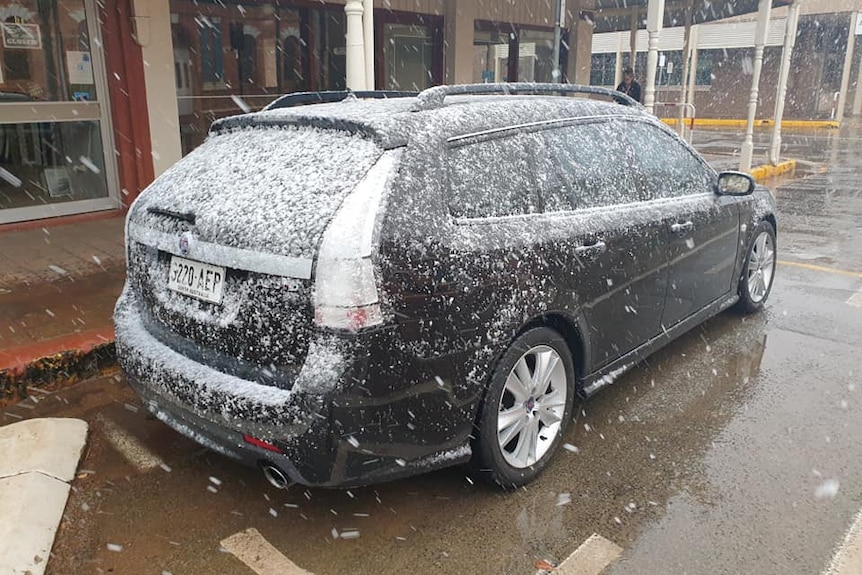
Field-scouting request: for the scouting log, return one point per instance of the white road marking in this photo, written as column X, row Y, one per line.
column 848, row 557
column 129, row 446
column 855, row 299
column 259, row 555
column 590, row 558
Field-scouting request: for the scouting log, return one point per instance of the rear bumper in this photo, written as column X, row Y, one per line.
column 334, row 427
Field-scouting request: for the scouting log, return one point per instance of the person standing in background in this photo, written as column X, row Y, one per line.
column 629, row 86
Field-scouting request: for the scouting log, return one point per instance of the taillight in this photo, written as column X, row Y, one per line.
column 345, row 289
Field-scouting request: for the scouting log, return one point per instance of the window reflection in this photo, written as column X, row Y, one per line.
column 51, row 162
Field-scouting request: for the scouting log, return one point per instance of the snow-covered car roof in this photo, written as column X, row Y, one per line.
column 395, row 121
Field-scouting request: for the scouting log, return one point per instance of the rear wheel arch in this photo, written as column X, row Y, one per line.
column 566, row 327
column 569, row 330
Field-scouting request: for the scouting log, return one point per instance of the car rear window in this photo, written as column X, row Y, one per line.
column 270, row 189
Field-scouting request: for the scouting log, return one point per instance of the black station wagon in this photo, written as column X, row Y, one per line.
column 369, row 288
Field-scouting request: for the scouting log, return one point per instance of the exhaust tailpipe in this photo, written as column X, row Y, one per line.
column 275, row 476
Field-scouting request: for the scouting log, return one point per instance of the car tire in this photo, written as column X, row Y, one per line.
column 758, row 271
column 521, row 426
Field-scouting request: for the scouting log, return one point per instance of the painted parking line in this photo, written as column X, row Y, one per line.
column 817, row 268
column 590, row 558
column 129, row 446
column 848, row 557
column 259, row 555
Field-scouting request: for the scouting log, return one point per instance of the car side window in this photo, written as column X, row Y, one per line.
column 663, row 166
column 592, row 166
column 494, row 177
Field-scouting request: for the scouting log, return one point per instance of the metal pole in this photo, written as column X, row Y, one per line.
column 759, row 40
column 783, row 74
column 355, row 48
column 368, row 39
column 558, row 11
column 655, row 20
column 848, row 61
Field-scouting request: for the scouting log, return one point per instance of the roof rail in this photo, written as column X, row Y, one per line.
column 304, row 98
column 433, row 97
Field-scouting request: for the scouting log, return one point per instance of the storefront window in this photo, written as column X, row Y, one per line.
column 45, row 51
column 230, row 57
column 494, row 48
column 535, row 56
column 408, row 57
column 491, row 56
column 52, row 139
column 50, row 162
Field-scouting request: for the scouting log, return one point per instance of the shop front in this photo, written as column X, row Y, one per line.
column 55, row 132
column 231, row 57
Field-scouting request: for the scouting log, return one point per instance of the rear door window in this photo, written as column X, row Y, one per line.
column 493, row 177
column 592, row 167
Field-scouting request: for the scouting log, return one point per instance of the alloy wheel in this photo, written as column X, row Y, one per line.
column 761, row 267
column 532, row 406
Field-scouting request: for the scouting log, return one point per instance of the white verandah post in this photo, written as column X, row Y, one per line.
column 368, row 40
column 655, row 20
column 759, row 40
column 686, row 62
column 845, row 73
column 783, row 74
column 355, row 47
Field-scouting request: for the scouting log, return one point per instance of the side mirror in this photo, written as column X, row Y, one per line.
column 735, row 184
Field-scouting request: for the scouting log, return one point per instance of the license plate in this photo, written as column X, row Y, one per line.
column 196, row 279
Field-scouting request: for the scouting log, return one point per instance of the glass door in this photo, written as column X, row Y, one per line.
column 54, row 114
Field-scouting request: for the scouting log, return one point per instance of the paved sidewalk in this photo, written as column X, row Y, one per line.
column 57, row 291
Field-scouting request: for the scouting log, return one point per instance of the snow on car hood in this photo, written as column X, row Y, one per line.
column 269, row 189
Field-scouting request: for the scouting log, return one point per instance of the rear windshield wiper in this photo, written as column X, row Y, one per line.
column 186, row 217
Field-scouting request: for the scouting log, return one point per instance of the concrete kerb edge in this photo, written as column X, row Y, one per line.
column 737, row 123
column 58, row 368
column 767, row 171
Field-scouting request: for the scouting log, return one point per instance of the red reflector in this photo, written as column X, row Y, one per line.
column 261, row 443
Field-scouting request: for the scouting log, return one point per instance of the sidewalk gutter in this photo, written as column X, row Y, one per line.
column 59, row 361
column 38, row 461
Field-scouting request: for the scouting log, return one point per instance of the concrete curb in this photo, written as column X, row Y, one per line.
column 38, row 460
column 735, row 123
column 47, row 364
column 767, row 171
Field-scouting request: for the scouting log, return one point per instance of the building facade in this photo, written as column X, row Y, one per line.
column 724, row 63
column 98, row 98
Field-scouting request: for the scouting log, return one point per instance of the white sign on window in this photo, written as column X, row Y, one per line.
column 80, row 67
column 859, row 24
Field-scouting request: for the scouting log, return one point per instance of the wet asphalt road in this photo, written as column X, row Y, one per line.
column 736, row 449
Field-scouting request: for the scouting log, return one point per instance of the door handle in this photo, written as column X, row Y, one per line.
column 681, row 227
column 591, row 250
